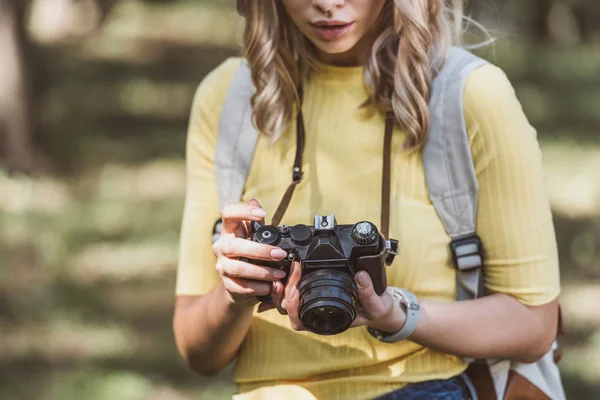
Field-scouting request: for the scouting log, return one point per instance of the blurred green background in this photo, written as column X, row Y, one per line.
column 92, row 124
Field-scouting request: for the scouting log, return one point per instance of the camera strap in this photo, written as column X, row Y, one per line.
column 297, row 172
column 386, row 175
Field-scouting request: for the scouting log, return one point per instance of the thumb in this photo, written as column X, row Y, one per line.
column 369, row 300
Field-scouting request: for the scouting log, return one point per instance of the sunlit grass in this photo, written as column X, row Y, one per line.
column 193, row 22
column 60, row 340
column 573, row 177
column 583, row 360
column 157, row 180
column 92, row 384
column 21, row 194
column 580, row 306
column 142, row 97
column 117, row 221
column 123, row 261
column 129, row 34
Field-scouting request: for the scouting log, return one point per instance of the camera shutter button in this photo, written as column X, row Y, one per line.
column 284, row 230
column 301, row 234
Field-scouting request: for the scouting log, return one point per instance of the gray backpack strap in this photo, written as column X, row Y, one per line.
column 237, row 138
column 452, row 186
column 450, row 172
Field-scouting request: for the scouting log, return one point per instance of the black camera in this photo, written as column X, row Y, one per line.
column 330, row 256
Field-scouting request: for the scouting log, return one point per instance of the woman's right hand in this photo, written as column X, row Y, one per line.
column 245, row 281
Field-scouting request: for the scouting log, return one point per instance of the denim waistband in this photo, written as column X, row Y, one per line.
column 456, row 388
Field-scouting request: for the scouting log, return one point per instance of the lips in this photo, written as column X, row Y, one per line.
column 332, row 30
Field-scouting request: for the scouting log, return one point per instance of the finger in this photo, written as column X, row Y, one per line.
column 239, row 269
column 239, row 229
column 292, row 297
column 232, row 247
column 277, row 296
column 371, row 303
column 246, row 287
column 292, row 300
column 234, row 214
column 295, row 275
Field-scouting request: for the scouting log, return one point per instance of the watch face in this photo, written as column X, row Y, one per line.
column 413, row 305
column 408, row 300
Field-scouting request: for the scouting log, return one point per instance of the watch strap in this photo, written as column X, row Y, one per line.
column 412, row 307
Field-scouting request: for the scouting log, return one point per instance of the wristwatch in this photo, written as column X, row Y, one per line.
column 410, row 304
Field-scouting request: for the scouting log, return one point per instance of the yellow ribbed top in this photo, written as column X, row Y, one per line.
column 343, row 166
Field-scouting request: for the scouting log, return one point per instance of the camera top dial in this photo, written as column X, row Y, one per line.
column 364, row 233
column 267, row 235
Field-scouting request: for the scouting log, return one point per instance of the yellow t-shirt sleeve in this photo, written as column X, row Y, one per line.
column 196, row 273
column 514, row 219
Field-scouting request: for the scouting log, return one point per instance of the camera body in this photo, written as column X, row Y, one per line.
column 330, row 255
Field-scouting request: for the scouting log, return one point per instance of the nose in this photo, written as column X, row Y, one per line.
column 327, row 6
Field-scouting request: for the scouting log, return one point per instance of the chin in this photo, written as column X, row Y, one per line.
column 334, row 48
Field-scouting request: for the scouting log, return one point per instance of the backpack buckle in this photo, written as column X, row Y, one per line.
column 467, row 253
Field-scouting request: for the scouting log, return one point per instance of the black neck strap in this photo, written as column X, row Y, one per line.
column 386, row 175
column 297, row 172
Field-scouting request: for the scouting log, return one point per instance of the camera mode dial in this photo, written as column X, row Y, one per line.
column 363, row 233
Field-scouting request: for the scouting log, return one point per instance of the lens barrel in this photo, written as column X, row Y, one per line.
column 328, row 301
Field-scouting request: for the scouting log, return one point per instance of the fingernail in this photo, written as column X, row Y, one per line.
column 362, row 279
column 278, row 274
column 293, row 291
column 278, row 254
column 258, row 212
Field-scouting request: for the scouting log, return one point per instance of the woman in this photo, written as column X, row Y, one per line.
column 357, row 60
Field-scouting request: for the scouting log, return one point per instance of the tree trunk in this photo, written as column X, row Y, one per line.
column 540, row 24
column 15, row 117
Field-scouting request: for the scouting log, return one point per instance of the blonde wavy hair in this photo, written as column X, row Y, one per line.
column 279, row 56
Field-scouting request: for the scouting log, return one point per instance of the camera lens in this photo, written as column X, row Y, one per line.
column 327, row 301
column 326, row 312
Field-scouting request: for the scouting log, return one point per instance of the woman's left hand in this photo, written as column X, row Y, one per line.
column 378, row 312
